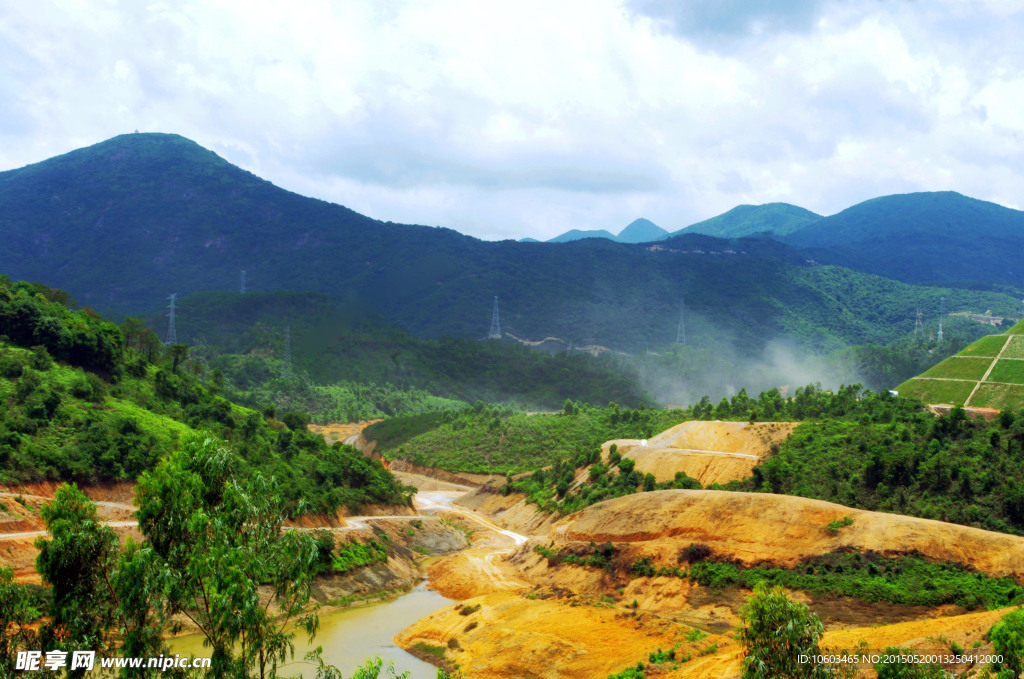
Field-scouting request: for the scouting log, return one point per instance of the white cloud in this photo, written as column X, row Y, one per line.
column 515, row 119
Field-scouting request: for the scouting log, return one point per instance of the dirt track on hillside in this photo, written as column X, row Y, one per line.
column 711, row 452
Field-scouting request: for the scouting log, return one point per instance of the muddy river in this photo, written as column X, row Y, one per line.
column 350, row 635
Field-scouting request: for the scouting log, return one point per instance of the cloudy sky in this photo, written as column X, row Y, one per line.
column 512, row 119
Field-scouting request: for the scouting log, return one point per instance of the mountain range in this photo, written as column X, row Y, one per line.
column 126, row 222
column 941, row 238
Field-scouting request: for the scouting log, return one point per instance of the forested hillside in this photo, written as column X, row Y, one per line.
column 81, row 402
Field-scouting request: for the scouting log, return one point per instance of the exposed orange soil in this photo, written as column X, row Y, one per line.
column 711, row 452
column 120, row 492
column 475, row 572
column 944, row 409
column 758, row 527
column 339, row 431
column 554, row 638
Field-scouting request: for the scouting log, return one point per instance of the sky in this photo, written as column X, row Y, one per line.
column 513, row 119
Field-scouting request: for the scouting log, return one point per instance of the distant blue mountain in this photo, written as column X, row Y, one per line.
column 576, row 234
column 642, row 231
column 639, row 231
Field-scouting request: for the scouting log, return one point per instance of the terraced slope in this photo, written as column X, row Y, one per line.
column 987, row 374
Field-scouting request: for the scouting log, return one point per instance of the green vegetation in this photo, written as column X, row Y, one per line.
column 895, row 457
column 776, row 632
column 907, row 670
column 371, row 369
column 833, row 526
column 498, row 439
column 215, row 553
column 551, row 486
column 1015, row 349
column 999, row 396
column 937, row 391
column 960, row 368
column 907, row 580
column 111, row 414
column 1007, row 370
column 1007, row 638
column 355, row 554
column 988, row 346
column 1002, row 389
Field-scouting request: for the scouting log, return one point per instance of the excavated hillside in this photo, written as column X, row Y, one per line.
column 783, row 530
column 711, row 452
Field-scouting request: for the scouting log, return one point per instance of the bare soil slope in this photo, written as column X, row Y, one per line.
column 758, row 527
column 507, row 635
column 711, row 452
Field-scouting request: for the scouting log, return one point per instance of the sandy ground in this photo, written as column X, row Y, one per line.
column 339, row 431
column 711, row 452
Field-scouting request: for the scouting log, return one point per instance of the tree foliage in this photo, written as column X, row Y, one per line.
column 776, row 632
column 219, row 538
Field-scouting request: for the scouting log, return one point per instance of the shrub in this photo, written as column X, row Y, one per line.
column 1007, row 638
column 833, row 526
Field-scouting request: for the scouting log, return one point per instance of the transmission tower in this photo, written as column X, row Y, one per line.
column 241, row 288
column 286, row 369
column 172, row 332
column 495, row 332
column 942, row 312
column 918, row 326
column 681, row 330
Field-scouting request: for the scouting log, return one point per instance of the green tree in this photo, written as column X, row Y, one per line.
column 76, row 561
column 907, row 670
column 178, row 354
column 1007, row 638
column 17, row 614
column 218, row 539
column 776, row 632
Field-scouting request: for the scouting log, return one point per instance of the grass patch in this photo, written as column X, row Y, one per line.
column 986, row 346
column 833, row 526
column 960, row 368
column 999, row 396
column 1015, row 349
column 937, row 391
column 430, row 649
column 1007, row 371
column 1018, row 329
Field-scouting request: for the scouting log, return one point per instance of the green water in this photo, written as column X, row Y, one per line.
column 351, row 635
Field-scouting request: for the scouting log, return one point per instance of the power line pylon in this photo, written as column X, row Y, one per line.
column 172, row 332
column 286, row 369
column 918, row 326
column 681, row 330
column 942, row 312
column 495, row 332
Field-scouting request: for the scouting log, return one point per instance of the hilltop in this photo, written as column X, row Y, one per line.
column 933, row 238
column 775, row 219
